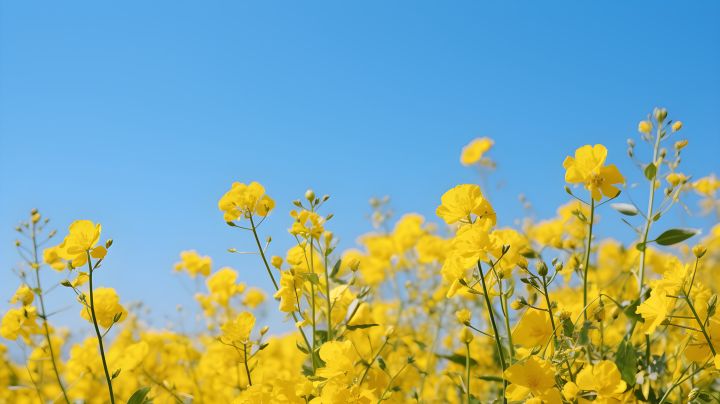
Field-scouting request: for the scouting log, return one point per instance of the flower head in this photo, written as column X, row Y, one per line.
column 587, row 168
column 244, row 199
column 194, row 263
column 463, row 200
column 81, row 240
column 107, row 306
column 238, row 331
column 605, row 379
column 473, row 152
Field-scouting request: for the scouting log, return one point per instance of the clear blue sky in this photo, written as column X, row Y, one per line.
column 140, row 115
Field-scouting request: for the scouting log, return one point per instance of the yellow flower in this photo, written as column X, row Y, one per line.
column 80, row 280
column 238, row 331
column 535, row 376
column 676, row 179
column 570, row 391
column 276, row 261
column 605, row 379
column 222, row 285
column 307, row 225
column 133, row 356
column 677, row 126
column 20, row 322
column 706, row 186
column 645, row 127
column 432, row 248
column 464, row 316
column 339, row 359
column 82, row 238
column 195, row 264
column 24, row 295
column 288, row 292
column 107, row 305
column 463, row 200
column 534, row 329
column 52, row 258
column 243, row 199
column 587, row 168
column 473, row 243
column 254, row 298
column 353, row 263
column 473, row 152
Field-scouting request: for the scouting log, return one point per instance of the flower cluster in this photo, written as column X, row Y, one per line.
column 545, row 311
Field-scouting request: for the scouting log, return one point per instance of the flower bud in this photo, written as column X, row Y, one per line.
column 542, row 268
column 66, row 283
column 116, row 374
column 599, row 313
column 310, row 195
column 631, row 143
column 558, row 267
column 615, row 312
column 663, row 153
column 232, row 250
column 554, row 261
column 276, row 261
column 644, row 127
column 564, row 315
column 17, row 243
column 70, row 265
column 328, row 236
column 505, row 248
column 325, row 198
column 353, row 263
column 517, row 304
column 109, row 243
column 699, row 250
column 693, row 394
column 660, row 114
column 630, row 152
column 33, row 211
column 18, row 228
column 677, row 126
column 52, row 233
column 465, row 335
column 712, row 305
column 264, row 330
column 464, row 316
column 268, row 239
column 389, row 332
column 523, row 263
column 297, row 203
column 35, row 218
column 500, row 273
column 374, row 202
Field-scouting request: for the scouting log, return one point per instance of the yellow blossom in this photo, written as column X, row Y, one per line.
column 194, row 263
column 82, row 238
column 51, row 257
column 307, row 225
column 24, row 295
column 473, row 152
column 587, row 168
column 244, row 199
column 464, row 316
column 222, row 285
column 536, row 376
column 534, row 329
column 107, row 305
column 238, row 331
column 463, row 200
column 605, row 379
column 254, row 298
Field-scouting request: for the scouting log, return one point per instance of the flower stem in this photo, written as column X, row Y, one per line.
column 391, row 382
column 329, row 304
column 44, row 317
column 97, row 330
column 587, row 254
column 503, row 302
column 246, row 364
column 467, row 368
column 495, row 329
column 702, row 325
column 547, row 301
column 262, row 254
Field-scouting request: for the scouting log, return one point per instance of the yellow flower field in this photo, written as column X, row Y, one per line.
column 547, row 312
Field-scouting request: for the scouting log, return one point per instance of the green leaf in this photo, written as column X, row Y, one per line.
column 302, row 347
column 360, row 326
column 630, row 311
column 568, row 327
column 529, row 254
column 381, row 363
column 650, row 171
column 626, row 361
column 335, row 269
column 640, row 246
column 422, row 345
column 139, row 396
column 676, row 235
column 583, row 338
column 625, row 208
column 457, row 358
column 490, row 378
column 313, row 278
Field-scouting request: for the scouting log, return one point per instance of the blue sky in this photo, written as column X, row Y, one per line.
column 140, row 115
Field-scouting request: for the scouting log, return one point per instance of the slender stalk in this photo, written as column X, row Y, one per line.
column 163, row 386
column 44, row 317
column 547, row 301
column 246, row 364
column 587, row 254
column 97, row 330
column 329, row 308
column 503, row 302
column 702, row 326
column 372, row 361
column 495, row 329
column 467, row 369
column 391, row 382
column 262, row 254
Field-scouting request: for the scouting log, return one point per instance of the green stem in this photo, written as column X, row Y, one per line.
column 391, row 382
column 467, row 368
column 162, row 385
column 44, row 317
column 246, row 364
column 503, row 302
column 372, row 361
column 702, row 326
column 495, row 329
column 262, row 254
column 587, row 253
column 327, row 288
column 547, row 301
column 97, row 330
